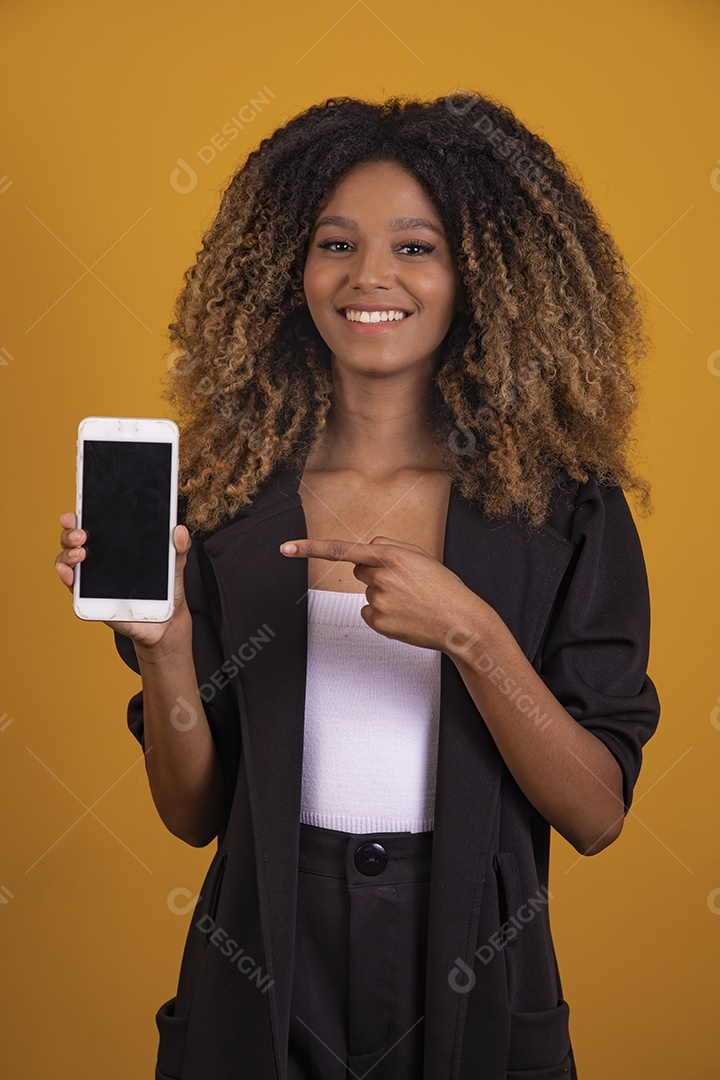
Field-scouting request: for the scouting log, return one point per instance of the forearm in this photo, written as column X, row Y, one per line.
column 181, row 759
column 568, row 774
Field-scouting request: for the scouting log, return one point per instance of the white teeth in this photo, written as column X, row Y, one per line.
column 374, row 316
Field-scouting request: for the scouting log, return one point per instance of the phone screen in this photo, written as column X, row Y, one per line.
column 126, row 515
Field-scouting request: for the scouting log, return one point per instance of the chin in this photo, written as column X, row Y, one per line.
column 374, row 365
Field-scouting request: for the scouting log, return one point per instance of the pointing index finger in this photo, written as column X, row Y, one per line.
column 335, row 550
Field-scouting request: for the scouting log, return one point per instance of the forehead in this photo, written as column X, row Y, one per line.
column 382, row 191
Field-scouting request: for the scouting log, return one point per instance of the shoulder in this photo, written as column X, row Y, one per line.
column 578, row 508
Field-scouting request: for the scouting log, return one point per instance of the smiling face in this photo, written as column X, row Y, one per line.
column 379, row 247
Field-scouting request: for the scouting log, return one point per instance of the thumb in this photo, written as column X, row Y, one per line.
column 181, row 539
column 390, row 542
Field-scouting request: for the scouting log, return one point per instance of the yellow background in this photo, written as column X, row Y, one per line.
column 100, row 103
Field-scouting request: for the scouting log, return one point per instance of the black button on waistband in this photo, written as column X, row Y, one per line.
column 371, row 859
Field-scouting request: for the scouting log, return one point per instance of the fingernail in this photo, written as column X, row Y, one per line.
column 288, row 549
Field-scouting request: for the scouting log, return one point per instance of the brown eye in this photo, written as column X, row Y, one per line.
column 425, row 249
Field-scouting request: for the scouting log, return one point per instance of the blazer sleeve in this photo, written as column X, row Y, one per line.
column 219, row 701
column 595, row 654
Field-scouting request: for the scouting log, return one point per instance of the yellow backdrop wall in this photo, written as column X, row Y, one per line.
column 113, row 158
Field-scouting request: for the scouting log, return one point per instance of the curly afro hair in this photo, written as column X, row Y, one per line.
column 534, row 376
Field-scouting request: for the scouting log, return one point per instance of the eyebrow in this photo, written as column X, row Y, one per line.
column 400, row 224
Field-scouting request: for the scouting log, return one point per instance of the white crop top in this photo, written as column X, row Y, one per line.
column 372, row 709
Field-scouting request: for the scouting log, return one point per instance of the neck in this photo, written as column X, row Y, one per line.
column 377, row 425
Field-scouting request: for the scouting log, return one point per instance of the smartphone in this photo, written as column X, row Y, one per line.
column 126, row 501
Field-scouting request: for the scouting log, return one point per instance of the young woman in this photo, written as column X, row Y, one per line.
column 406, row 351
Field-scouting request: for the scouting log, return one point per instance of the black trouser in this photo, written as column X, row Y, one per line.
column 361, row 948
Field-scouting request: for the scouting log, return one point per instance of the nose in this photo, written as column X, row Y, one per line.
column 371, row 267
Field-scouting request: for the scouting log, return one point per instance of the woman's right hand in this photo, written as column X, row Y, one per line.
column 147, row 634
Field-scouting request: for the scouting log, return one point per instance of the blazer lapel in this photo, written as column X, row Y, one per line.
column 518, row 577
column 264, row 618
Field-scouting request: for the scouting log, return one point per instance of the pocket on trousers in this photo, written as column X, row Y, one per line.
column 171, row 1048
column 540, row 1044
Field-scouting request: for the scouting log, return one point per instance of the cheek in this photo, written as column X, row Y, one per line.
column 434, row 290
column 318, row 283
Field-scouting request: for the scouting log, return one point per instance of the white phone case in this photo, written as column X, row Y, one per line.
column 121, row 429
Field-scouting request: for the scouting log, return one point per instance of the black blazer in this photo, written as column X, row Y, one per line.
column 575, row 596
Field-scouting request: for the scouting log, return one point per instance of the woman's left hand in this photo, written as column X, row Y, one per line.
column 410, row 595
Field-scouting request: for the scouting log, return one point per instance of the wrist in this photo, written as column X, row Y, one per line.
column 176, row 639
column 472, row 631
